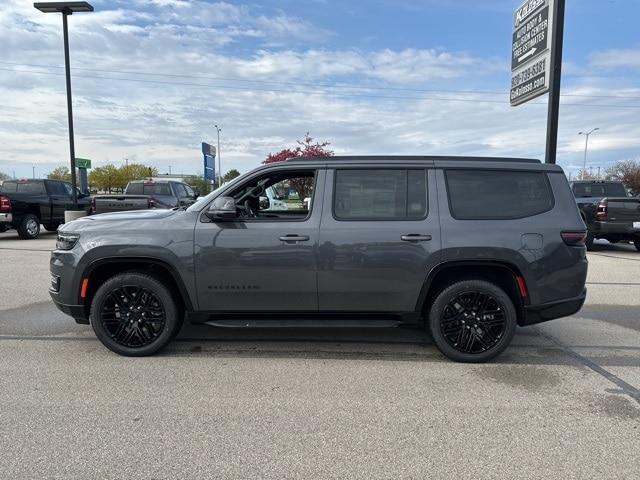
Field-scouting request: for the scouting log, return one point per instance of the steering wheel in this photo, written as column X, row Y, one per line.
column 246, row 210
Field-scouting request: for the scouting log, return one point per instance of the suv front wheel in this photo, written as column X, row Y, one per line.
column 472, row 321
column 134, row 314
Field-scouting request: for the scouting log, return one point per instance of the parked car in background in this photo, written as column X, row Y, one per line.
column 26, row 204
column 608, row 211
column 468, row 247
column 146, row 194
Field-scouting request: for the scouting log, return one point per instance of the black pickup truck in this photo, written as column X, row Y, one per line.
column 608, row 211
column 25, row 204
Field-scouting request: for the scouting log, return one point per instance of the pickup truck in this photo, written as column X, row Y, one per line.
column 25, row 204
column 608, row 211
column 145, row 194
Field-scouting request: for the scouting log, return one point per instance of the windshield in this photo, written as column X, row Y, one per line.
column 206, row 199
column 599, row 190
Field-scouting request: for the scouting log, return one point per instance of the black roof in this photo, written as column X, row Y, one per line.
column 404, row 158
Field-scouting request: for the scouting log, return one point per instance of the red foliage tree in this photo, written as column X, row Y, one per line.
column 306, row 148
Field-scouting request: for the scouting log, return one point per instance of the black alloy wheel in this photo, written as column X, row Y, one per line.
column 134, row 314
column 472, row 321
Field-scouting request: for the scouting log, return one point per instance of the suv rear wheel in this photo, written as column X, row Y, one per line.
column 472, row 321
column 636, row 242
column 134, row 314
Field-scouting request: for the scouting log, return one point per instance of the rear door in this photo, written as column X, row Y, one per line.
column 379, row 238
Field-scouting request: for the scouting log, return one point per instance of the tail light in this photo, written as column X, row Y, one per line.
column 574, row 238
column 5, row 204
column 601, row 211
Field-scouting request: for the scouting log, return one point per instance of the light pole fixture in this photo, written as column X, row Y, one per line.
column 218, row 153
column 586, row 144
column 66, row 9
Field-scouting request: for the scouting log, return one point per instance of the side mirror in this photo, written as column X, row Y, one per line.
column 222, row 208
column 264, row 203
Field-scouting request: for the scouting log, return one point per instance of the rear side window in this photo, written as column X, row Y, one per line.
column 36, row 187
column 497, row 195
column 382, row 194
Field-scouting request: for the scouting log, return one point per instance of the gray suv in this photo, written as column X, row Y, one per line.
column 468, row 247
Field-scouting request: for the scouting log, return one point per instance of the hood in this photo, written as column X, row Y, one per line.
column 105, row 218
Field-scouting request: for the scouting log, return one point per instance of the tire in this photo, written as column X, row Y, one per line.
column 142, row 298
column 29, row 227
column 466, row 333
column 3, row 228
column 51, row 227
column 589, row 241
column 636, row 242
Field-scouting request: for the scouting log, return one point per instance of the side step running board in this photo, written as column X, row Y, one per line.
column 304, row 323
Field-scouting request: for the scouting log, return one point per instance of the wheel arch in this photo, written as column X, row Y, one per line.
column 104, row 268
column 503, row 274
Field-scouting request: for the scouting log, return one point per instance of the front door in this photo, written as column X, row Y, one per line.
column 379, row 238
column 264, row 260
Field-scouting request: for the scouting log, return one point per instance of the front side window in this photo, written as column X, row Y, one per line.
column 280, row 195
column 497, row 194
column 381, row 194
column 180, row 190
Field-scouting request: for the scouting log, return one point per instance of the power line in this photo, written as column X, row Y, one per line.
column 321, row 93
column 307, row 84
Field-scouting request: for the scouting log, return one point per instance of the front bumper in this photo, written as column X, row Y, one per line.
column 76, row 311
column 6, row 218
column 548, row 311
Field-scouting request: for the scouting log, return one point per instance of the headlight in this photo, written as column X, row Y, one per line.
column 66, row 241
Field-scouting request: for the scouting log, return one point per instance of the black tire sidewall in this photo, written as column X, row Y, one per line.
column 443, row 298
column 151, row 284
column 23, row 233
column 636, row 242
column 589, row 241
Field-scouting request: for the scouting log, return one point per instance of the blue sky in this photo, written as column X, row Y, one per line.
column 400, row 77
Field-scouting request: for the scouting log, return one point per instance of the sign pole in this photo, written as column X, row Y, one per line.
column 554, row 80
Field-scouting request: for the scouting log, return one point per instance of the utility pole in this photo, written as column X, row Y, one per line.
column 218, row 153
column 34, row 172
column 598, row 172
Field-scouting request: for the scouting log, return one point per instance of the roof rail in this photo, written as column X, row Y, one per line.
column 404, row 158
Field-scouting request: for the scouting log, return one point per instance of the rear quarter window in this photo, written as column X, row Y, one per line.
column 497, row 194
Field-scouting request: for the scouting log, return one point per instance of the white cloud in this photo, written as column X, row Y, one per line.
column 163, row 124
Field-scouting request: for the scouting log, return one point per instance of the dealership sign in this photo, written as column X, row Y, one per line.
column 530, row 50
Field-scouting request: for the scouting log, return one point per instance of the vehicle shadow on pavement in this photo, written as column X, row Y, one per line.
column 387, row 344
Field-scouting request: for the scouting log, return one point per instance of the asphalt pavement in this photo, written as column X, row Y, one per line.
column 563, row 401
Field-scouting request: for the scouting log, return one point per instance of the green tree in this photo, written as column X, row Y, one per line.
column 198, row 183
column 230, row 175
column 60, row 173
column 136, row 171
column 4, row 176
column 105, row 178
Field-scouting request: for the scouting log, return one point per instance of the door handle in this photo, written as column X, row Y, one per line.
column 415, row 237
column 292, row 238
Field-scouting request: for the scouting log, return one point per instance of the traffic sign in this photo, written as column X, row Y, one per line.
column 530, row 50
column 83, row 163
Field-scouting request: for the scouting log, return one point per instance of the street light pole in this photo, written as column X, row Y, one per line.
column 218, row 153
column 66, row 9
column 72, row 148
column 586, row 145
